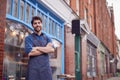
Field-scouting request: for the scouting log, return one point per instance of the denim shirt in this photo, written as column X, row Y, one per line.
column 34, row 40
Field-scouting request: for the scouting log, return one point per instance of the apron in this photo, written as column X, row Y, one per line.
column 38, row 66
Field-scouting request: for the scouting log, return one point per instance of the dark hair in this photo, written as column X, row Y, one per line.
column 35, row 18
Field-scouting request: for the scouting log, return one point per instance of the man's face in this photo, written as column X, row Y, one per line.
column 37, row 25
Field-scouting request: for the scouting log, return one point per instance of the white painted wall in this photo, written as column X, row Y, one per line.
column 61, row 9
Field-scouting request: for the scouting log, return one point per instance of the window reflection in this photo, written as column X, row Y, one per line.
column 15, row 60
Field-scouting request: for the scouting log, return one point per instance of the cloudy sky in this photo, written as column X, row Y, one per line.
column 116, row 7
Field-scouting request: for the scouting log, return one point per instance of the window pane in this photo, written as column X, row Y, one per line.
column 38, row 13
column 50, row 22
column 27, row 13
column 33, row 12
column 60, row 33
column 15, row 60
column 22, row 9
column 53, row 28
column 8, row 9
column 91, row 60
column 44, row 23
column 15, row 8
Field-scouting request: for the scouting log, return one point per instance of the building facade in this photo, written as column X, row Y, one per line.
column 99, row 45
column 97, row 38
column 15, row 18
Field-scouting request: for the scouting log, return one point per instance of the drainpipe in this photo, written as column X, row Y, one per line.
column 76, row 31
column 77, row 58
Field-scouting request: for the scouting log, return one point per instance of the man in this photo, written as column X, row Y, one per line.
column 38, row 46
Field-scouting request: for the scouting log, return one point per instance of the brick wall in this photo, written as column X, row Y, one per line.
column 69, row 52
column 105, row 26
column 102, row 23
column 73, row 5
column 2, row 28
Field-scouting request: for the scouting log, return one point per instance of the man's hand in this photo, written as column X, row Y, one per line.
column 47, row 49
column 34, row 52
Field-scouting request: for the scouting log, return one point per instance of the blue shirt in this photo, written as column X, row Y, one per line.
column 34, row 40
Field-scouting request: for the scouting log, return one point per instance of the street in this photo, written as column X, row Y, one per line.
column 114, row 78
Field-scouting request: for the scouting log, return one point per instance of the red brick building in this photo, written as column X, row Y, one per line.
column 100, row 20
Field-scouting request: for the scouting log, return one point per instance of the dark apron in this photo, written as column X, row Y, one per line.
column 38, row 66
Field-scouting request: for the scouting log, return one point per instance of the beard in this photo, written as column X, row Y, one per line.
column 37, row 29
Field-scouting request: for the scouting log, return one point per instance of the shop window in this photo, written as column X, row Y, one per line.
column 57, row 46
column 53, row 55
column 15, row 60
column 102, row 63
column 91, row 60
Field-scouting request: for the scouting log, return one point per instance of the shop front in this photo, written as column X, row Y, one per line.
column 18, row 17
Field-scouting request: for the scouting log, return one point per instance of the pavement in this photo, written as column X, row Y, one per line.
column 114, row 78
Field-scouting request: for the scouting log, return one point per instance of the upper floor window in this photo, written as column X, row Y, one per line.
column 77, row 7
column 85, row 14
column 90, row 22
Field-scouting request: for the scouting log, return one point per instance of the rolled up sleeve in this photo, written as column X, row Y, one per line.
column 28, row 45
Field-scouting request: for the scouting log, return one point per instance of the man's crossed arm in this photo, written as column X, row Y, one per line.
column 41, row 50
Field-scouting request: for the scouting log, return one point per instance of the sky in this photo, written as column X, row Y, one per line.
column 116, row 8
